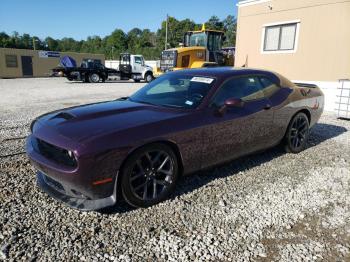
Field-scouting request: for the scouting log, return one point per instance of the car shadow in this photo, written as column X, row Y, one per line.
column 319, row 133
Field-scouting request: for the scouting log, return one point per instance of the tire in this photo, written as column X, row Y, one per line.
column 94, row 78
column 137, row 80
column 148, row 77
column 297, row 134
column 149, row 175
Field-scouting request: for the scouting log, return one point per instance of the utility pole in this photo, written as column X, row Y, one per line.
column 33, row 43
column 166, row 32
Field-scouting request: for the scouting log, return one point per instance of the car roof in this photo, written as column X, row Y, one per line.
column 223, row 72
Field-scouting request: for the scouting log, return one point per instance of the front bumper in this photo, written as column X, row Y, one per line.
column 75, row 185
column 58, row 191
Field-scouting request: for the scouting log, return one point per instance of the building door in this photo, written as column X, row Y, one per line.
column 27, row 65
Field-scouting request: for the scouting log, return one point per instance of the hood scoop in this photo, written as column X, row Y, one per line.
column 63, row 115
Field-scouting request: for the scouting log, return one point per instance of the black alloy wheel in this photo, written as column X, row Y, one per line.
column 297, row 134
column 149, row 175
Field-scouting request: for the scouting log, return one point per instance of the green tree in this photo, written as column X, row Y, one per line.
column 52, row 44
column 116, row 43
column 133, row 39
column 138, row 41
column 230, row 27
column 6, row 40
column 176, row 31
column 214, row 23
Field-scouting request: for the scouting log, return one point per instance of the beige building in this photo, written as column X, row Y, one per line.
column 305, row 40
column 36, row 63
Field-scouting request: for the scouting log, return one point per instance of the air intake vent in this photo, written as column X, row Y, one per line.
column 64, row 115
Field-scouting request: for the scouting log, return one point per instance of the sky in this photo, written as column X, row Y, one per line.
column 82, row 18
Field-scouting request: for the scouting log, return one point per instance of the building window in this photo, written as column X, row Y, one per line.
column 11, row 61
column 280, row 37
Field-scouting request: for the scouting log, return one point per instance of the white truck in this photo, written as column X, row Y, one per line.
column 134, row 67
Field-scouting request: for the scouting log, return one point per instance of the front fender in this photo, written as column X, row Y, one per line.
column 145, row 72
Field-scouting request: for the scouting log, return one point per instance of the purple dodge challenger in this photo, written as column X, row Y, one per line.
column 182, row 122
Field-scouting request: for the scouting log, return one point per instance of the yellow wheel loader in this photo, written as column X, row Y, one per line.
column 199, row 49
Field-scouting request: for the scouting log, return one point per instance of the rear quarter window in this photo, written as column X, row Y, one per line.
column 269, row 87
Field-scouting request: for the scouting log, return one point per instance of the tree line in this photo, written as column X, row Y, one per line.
column 136, row 41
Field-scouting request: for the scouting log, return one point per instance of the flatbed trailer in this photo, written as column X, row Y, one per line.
column 91, row 71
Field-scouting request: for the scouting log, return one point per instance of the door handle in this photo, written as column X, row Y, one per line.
column 267, row 107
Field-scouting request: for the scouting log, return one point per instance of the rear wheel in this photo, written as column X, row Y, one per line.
column 297, row 134
column 94, row 78
column 149, row 175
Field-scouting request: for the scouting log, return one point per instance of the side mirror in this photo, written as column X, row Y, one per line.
column 230, row 103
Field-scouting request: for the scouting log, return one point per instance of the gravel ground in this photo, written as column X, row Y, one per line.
column 270, row 206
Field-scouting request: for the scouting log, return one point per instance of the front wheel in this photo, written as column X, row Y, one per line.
column 94, row 78
column 297, row 134
column 149, row 175
column 148, row 77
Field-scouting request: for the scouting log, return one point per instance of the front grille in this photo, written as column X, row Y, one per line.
column 57, row 154
column 168, row 60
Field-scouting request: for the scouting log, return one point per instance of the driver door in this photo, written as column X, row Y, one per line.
column 137, row 67
column 240, row 130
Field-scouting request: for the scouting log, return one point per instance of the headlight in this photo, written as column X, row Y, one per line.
column 71, row 154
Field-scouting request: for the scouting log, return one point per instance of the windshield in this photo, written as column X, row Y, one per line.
column 199, row 39
column 174, row 90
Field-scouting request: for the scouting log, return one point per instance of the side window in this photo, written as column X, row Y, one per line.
column 138, row 60
column 99, row 66
column 11, row 61
column 269, row 87
column 245, row 88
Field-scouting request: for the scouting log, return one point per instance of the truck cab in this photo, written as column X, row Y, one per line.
column 211, row 40
column 134, row 67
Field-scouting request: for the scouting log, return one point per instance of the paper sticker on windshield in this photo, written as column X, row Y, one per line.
column 205, row 80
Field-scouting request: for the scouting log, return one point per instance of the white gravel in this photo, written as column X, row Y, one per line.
column 268, row 206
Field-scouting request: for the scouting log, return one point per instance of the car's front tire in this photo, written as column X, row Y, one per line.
column 297, row 134
column 149, row 175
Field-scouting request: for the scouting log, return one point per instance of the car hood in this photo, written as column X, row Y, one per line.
column 89, row 121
